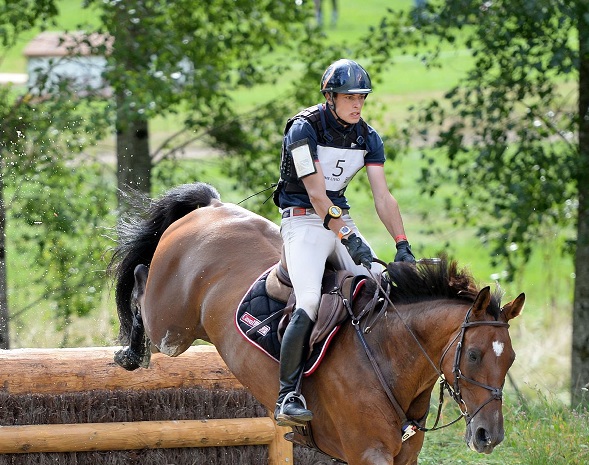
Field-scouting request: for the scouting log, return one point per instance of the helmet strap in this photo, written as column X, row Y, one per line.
column 332, row 108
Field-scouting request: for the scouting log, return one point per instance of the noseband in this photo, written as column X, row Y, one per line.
column 455, row 392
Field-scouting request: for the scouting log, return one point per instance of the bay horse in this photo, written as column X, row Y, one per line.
column 182, row 265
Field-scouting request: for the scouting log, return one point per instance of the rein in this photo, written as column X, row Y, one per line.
column 373, row 361
column 409, row 427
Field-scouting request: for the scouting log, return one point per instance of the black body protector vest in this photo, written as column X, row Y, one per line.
column 327, row 137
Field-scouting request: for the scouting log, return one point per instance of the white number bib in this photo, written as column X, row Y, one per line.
column 339, row 165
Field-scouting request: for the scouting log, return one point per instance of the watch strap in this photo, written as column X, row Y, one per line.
column 326, row 220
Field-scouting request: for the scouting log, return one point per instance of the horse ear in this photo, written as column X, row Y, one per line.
column 482, row 301
column 514, row 308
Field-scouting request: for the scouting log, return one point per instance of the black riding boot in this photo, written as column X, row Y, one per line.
column 290, row 408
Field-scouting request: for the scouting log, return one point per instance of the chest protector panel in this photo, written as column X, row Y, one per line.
column 332, row 145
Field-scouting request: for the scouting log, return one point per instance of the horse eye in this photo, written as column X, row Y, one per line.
column 473, row 355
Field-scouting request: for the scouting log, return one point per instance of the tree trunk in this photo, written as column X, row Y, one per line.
column 580, row 340
column 133, row 157
column 4, row 334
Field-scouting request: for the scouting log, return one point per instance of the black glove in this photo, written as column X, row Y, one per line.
column 404, row 253
column 358, row 250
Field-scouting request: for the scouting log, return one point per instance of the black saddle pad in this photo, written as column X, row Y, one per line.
column 254, row 308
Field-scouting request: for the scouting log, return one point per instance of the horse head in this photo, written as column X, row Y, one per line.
column 475, row 364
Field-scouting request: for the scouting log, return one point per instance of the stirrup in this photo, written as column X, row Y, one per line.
column 282, row 419
column 293, row 395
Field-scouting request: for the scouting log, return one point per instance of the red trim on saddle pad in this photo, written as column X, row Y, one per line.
column 251, row 321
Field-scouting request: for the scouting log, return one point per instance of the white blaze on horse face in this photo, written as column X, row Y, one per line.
column 498, row 348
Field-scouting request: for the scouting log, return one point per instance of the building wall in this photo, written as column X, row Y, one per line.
column 82, row 73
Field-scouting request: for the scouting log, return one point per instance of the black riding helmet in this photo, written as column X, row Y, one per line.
column 345, row 77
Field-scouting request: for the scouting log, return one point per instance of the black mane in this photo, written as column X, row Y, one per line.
column 437, row 280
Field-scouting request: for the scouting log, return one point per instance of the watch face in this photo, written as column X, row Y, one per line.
column 344, row 231
column 335, row 212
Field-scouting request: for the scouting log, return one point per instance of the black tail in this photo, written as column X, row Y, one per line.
column 139, row 234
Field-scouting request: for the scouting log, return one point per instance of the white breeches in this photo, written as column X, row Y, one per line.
column 307, row 247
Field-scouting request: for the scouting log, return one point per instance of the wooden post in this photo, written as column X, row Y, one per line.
column 59, row 371
column 280, row 451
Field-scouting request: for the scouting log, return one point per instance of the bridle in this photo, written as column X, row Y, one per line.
column 455, row 391
column 409, row 427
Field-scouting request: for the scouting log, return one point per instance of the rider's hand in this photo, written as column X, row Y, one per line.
column 404, row 253
column 358, row 250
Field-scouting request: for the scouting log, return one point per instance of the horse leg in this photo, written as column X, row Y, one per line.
column 137, row 354
column 410, row 450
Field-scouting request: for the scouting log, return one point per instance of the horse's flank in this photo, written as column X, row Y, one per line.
column 213, row 252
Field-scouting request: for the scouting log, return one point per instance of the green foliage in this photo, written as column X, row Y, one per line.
column 62, row 232
column 187, row 56
column 182, row 57
column 19, row 16
column 505, row 130
column 513, row 133
column 66, row 212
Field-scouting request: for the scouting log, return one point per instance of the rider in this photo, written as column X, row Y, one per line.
column 324, row 146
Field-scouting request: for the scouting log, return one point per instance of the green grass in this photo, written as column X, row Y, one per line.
column 545, row 433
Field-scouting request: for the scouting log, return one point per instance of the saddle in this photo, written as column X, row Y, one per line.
column 266, row 309
column 335, row 285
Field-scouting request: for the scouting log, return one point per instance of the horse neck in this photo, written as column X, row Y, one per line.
column 406, row 369
column 422, row 327
column 434, row 323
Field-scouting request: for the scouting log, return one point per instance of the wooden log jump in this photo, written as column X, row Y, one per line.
column 85, row 437
column 59, row 371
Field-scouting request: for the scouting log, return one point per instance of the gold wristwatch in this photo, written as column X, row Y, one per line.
column 332, row 212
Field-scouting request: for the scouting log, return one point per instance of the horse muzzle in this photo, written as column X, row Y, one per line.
column 483, row 439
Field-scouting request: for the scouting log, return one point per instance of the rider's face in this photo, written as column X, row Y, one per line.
column 349, row 106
